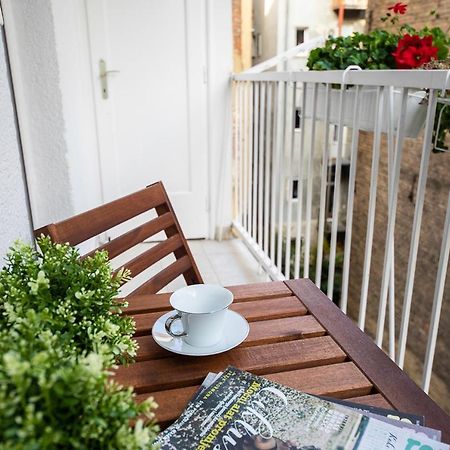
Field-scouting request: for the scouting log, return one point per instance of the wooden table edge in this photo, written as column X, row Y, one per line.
column 397, row 387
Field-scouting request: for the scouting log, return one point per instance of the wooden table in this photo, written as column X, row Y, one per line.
column 298, row 337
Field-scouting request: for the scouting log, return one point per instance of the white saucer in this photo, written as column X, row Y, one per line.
column 236, row 330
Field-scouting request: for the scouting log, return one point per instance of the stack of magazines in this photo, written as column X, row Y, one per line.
column 237, row 410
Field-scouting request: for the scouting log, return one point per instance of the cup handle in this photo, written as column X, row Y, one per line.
column 169, row 323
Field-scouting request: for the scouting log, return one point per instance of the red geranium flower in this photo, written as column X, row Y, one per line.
column 398, row 8
column 413, row 51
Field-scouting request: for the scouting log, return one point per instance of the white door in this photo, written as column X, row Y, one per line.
column 151, row 100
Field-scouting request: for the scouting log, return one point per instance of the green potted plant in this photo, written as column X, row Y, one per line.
column 398, row 47
column 61, row 332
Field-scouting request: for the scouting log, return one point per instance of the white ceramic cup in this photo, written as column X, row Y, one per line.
column 201, row 309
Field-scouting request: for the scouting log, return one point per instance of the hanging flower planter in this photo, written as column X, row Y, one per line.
column 416, row 109
column 397, row 46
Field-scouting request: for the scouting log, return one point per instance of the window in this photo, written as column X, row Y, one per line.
column 298, row 118
column 300, row 35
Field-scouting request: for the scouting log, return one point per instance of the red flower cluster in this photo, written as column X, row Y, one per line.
column 398, row 8
column 413, row 51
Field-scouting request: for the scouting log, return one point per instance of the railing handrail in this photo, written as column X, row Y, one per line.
column 419, row 79
column 286, row 55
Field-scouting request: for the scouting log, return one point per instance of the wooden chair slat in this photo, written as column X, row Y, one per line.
column 135, row 236
column 148, row 376
column 338, row 380
column 264, row 332
column 161, row 279
column 153, row 255
column 86, row 225
column 99, row 220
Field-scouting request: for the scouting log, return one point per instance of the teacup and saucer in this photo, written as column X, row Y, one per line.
column 202, row 323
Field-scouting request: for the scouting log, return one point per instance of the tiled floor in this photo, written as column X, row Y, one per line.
column 226, row 263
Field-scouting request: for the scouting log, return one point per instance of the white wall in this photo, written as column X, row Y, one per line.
column 51, row 71
column 278, row 20
column 34, row 64
column 75, row 81
column 15, row 222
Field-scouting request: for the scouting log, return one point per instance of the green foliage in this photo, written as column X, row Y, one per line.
column 338, row 265
column 60, row 332
column 441, row 132
column 369, row 51
column 372, row 50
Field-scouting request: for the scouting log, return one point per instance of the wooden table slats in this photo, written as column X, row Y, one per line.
column 386, row 376
column 253, row 310
column 298, row 337
column 147, row 376
column 262, row 332
column 139, row 304
column 342, row 380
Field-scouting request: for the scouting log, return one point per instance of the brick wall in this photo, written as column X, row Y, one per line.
column 237, row 53
column 418, row 13
column 431, row 234
column 242, row 34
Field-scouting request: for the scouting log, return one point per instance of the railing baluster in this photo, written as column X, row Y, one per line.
column 241, row 151
column 309, row 187
column 245, row 159
column 298, row 235
column 250, row 158
column 372, row 205
column 290, row 145
column 236, row 156
column 336, row 195
column 280, row 144
column 275, row 172
column 268, row 167
column 437, row 301
column 323, row 188
column 350, row 201
column 391, row 157
column 388, row 268
column 255, row 165
column 262, row 124
column 420, row 197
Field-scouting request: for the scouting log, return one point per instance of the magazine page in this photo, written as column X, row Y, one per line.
column 243, row 411
column 413, row 419
column 397, row 418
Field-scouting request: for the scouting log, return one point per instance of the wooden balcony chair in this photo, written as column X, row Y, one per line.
column 89, row 224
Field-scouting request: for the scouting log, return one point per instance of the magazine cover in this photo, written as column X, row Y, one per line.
column 243, row 411
column 397, row 418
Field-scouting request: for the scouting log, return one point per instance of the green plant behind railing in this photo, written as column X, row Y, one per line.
column 60, row 333
column 337, row 287
column 441, row 130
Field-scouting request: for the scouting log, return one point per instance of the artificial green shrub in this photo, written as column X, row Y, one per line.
column 60, row 334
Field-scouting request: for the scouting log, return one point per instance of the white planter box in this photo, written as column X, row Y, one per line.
column 415, row 112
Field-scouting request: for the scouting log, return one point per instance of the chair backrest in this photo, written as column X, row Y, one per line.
column 91, row 223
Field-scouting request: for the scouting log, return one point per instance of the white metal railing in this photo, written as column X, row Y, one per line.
column 294, row 134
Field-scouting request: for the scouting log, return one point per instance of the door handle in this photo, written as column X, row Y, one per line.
column 104, row 77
